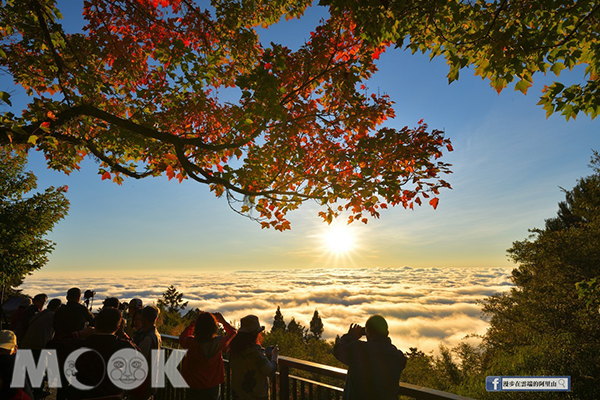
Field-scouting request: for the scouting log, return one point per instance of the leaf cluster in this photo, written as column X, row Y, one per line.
column 502, row 41
column 26, row 218
column 169, row 88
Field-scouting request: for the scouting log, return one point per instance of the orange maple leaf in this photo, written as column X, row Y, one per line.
column 170, row 172
column 434, row 202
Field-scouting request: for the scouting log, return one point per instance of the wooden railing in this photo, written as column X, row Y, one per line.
column 320, row 382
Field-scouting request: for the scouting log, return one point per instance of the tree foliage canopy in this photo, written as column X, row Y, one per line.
column 25, row 219
column 167, row 87
column 504, row 41
column 153, row 87
column 543, row 325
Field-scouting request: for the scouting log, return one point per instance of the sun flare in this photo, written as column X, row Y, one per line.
column 339, row 239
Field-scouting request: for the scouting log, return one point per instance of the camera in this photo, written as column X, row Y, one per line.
column 87, row 295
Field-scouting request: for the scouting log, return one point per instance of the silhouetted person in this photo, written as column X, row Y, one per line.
column 69, row 325
column 38, row 304
column 136, row 321
column 73, row 316
column 39, row 333
column 203, row 368
column 250, row 367
column 92, row 366
column 41, row 328
column 147, row 339
column 111, row 302
column 134, row 306
column 15, row 318
column 374, row 366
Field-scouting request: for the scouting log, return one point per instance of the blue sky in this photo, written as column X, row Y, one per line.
column 509, row 162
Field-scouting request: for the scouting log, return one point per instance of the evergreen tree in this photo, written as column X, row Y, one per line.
column 296, row 328
column 316, row 325
column 278, row 322
column 172, row 301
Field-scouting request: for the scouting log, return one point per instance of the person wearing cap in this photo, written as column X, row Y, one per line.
column 203, row 367
column 8, row 350
column 250, row 367
column 374, row 365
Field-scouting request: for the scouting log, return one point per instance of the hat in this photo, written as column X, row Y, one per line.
column 8, row 340
column 250, row 324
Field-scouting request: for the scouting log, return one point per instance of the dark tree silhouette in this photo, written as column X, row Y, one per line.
column 278, row 322
column 172, row 301
column 316, row 325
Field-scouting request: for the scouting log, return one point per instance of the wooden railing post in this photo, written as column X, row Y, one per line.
column 284, row 382
column 274, row 387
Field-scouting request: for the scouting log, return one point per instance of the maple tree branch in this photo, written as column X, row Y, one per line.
column 134, row 127
column 9, row 136
column 160, row 22
column 60, row 30
column 231, row 199
column 496, row 16
column 203, row 17
column 192, row 169
column 488, row 30
column 57, row 60
column 575, row 28
column 308, row 80
column 114, row 165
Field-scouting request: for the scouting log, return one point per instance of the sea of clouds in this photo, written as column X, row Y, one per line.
column 425, row 307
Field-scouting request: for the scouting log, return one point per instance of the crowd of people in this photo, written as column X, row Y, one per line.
column 374, row 365
column 71, row 326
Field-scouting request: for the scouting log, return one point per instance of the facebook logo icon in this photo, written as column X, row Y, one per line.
column 493, row 383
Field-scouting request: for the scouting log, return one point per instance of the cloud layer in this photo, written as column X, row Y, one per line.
column 424, row 306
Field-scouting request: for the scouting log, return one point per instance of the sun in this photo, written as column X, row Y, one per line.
column 339, row 239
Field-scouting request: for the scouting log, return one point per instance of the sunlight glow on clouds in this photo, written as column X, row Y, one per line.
column 424, row 306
